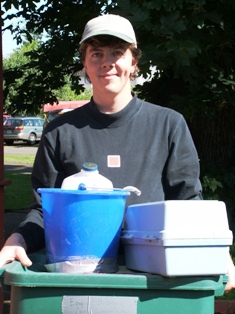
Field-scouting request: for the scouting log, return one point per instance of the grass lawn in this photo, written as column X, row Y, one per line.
column 18, row 195
column 21, row 159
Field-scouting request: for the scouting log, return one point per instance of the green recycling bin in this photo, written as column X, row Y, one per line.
column 36, row 291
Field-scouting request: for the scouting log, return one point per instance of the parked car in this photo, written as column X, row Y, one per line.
column 27, row 129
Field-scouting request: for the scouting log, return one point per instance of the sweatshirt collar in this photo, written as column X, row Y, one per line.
column 114, row 119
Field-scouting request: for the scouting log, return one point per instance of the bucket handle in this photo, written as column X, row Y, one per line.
column 129, row 188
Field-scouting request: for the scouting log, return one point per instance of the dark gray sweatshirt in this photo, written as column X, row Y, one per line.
column 143, row 145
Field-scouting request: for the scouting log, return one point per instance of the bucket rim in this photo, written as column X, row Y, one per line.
column 83, row 192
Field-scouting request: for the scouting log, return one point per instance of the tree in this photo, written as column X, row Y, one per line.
column 56, row 58
column 191, row 43
column 18, row 63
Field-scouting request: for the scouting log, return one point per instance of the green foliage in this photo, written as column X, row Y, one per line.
column 20, row 77
column 219, row 184
column 210, row 186
column 56, row 57
column 230, row 295
column 67, row 93
column 191, row 43
column 16, row 72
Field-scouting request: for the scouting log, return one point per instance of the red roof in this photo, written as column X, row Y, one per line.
column 71, row 104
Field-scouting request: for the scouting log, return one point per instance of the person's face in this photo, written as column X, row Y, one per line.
column 109, row 68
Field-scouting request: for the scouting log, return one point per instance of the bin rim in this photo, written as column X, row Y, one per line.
column 37, row 276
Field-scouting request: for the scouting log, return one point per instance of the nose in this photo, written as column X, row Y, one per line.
column 108, row 60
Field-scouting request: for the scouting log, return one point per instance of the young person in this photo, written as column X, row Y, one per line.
column 132, row 141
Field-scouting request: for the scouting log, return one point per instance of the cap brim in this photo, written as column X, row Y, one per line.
column 118, row 35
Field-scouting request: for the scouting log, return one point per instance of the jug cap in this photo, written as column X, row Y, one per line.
column 89, row 166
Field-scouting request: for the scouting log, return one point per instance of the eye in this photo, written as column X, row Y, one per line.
column 118, row 53
column 96, row 54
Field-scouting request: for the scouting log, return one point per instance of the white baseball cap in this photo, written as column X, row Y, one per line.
column 110, row 24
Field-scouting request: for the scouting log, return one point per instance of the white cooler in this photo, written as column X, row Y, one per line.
column 177, row 238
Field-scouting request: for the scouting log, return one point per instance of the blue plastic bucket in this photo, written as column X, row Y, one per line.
column 82, row 225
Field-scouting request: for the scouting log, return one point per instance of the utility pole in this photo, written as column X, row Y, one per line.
column 2, row 181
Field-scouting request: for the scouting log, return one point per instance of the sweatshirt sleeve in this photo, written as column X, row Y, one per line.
column 182, row 170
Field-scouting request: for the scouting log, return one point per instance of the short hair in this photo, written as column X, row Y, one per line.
column 110, row 41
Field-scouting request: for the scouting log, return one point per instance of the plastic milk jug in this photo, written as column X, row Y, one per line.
column 87, row 179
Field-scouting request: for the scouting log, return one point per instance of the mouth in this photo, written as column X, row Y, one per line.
column 108, row 75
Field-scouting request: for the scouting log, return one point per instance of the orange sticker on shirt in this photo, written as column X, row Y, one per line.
column 114, row 161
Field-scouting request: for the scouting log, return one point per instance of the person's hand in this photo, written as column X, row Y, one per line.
column 14, row 249
column 231, row 275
